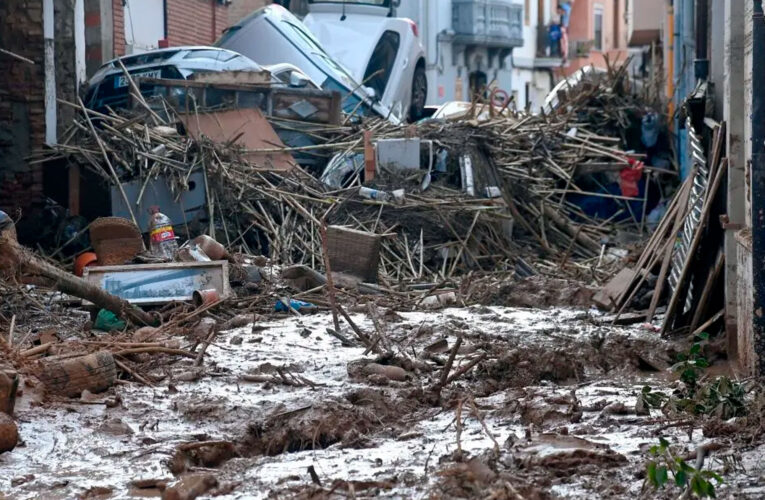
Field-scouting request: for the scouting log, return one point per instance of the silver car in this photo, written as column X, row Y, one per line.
column 273, row 35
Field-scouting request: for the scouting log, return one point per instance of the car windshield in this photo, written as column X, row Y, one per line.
column 218, row 55
column 317, row 50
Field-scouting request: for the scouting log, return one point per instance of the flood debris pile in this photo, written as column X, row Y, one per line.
column 351, row 308
column 501, row 191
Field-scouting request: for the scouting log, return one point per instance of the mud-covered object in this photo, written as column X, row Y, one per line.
column 9, row 383
column 9, row 433
column 95, row 372
column 565, row 452
column 540, row 291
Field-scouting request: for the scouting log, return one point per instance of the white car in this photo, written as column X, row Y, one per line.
column 381, row 52
column 273, row 36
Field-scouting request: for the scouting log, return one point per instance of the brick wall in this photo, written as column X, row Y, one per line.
column 22, row 108
column 242, row 8
column 119, row 28
column 190, row 22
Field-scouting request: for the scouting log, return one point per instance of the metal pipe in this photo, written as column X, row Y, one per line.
column 51, row 136
column 701, row 63
column 670, row 37
column 758, row 190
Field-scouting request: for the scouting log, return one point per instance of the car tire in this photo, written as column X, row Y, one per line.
column 419, row 94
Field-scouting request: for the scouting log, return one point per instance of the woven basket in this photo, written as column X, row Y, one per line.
column 354, row 252
column 115, row 240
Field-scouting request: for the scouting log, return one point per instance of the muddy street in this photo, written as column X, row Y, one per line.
column 328, row 250
column 282, row 409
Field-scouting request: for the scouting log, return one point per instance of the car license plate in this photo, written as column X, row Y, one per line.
column 122, row 81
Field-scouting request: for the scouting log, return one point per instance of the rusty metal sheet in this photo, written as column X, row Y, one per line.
column 246, row 127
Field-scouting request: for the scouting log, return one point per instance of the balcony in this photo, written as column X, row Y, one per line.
column 495, row 24
column 547, row 54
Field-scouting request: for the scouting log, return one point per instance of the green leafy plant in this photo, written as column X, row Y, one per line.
column 691, row 365
column 665, row 465
column 720, row 397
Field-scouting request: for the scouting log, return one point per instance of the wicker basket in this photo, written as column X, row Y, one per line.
column 354, row 252
column 115, row 240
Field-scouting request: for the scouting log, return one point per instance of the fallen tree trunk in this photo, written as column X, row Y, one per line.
column 25, row 261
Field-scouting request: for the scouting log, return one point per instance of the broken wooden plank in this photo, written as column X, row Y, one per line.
column 607, row 297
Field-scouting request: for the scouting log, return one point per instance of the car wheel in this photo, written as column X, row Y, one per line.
column 419, row 94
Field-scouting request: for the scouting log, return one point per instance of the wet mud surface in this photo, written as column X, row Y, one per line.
column 283, row 410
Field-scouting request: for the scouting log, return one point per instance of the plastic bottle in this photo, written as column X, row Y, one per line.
column 161, row 235
column 373, row 194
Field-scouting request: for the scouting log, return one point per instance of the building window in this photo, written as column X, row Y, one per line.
column 598, row 28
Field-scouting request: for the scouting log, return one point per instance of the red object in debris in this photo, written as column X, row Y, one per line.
column 84, row 260
column 629, row 178
column 163, row 44
column 370, row 163
column 205, row 297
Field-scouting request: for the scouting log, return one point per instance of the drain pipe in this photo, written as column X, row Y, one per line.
column 50, row 72
column 758, row 190
column 701, row 63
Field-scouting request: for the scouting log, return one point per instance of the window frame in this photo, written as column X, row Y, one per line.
column 598, row 41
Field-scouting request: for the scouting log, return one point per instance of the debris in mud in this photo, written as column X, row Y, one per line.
column 310, row 428
column 208, row 454
column 541, row 291
column 9, row 433
column 447, row 312
column 190, row 487
column 556, row 451
column 95, row 373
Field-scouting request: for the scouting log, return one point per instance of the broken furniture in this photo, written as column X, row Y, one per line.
column 245, row 127
column 181, row 205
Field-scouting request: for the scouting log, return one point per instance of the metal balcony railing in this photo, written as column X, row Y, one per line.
column 494, row 23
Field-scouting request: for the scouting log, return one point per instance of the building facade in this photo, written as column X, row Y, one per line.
column 536, row 64
column 468, row 44
column 598, row 31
